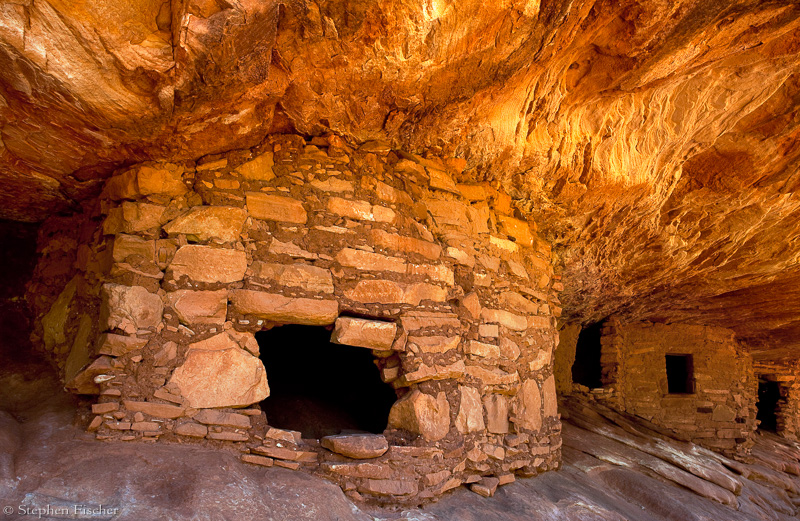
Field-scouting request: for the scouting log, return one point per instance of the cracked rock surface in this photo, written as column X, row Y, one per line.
column 656, row 143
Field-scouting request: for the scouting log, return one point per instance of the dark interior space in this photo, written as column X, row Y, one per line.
column 587, row 369
column 767, row 405
column 680, row 374
column 17, row 261
column 320, row 388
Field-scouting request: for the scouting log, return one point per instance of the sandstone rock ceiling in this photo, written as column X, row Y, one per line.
column 656, row 143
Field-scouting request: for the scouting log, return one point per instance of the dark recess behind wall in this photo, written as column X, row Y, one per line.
column 17, row 261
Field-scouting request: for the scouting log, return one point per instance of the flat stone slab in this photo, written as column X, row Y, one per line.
column 278, row 308
column 372, row 334
column 356, row 446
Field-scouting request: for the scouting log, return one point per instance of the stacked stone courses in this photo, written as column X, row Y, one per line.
column 149, row 299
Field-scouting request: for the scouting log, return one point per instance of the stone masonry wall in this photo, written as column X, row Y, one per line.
column 564, row 357
column 720, row 414
column 787, row 373
column 178, row 265
column 64, row 291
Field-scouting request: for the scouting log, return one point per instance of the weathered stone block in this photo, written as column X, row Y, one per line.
column 415, row 320
column 480, row 216
column 439, row 273
column 212, row 164
column 79, row 353
column 127, row 245
column 199, row 307
column 390, row 292
column 372, row 334
column 360, row 210
column 509, row 349
column 284, row 310
column 217, row 342
column 434, row 372
column 541, row 360
column 220, row 378
column 140, row 217
column 357, row 446
column 433, row 344
column 504, row 245
column 104, row 408
column 460, row 256
column 130, row 308
column 359, row 470
column 159, row 179
column 450, row 214
column 159, row 410
column 392, row 241
column 303, row 276
column 473, row 192
column 291, row 249
column 203, row 223
column 496, row 413
column 550, row 398
column 208, row 264
column 228, row 436
column 441, row 180
column 488, row 330
column 529, row 406
column 275, row 208
column 723, row 413
column 482, row 349
column 472, row 304
column 84, row 381
column 505, row 318
column 517, row 229
column 388, row 487
column 246, row 341
column 119, row 345
column 225, row 419
column 293, row 437
column 258, row 169
column 486, row 487
column 287, row 454
column 516, row 302
column 368, row 261
column 422, row 414
column 517, row 269
column 539, row 322
column 54, row 322
column 146, row 426
column 332, row 184
column 470, row 411
column 257, row 460
column 492, row 376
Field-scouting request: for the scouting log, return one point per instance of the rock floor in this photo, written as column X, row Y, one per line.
column 615, row 468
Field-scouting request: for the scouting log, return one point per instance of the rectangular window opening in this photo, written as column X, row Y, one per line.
column 680, row 374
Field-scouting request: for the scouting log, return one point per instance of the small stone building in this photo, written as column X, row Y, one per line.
column 779, row 395
column 151, row 300
column 694, row 380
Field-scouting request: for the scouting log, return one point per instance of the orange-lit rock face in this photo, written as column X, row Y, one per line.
column 656, row 143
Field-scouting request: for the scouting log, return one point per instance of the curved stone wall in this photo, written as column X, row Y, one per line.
column 182, row 264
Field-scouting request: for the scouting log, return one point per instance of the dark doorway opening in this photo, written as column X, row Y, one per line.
column 680, row 374
column 320, row 388
column 586, row 370
column 769, row 393
column 17, row 262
